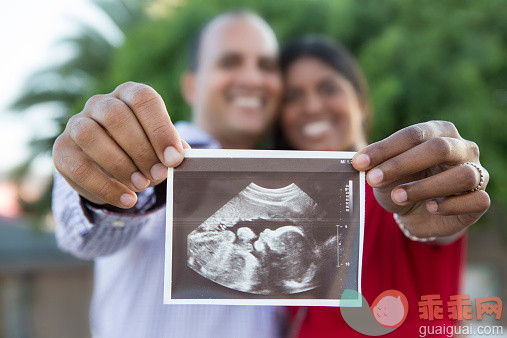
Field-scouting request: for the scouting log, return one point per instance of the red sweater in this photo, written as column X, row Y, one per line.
column 392, row 261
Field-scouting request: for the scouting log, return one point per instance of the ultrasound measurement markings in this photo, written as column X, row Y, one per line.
column 339, row 244
column 348, row 199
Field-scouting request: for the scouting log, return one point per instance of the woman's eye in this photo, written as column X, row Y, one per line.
column 329, row 89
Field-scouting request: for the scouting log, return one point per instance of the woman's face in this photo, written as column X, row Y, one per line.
column 321, row 110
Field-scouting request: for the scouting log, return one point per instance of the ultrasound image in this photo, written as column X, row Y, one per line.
column 262, row 242
column 262, row 231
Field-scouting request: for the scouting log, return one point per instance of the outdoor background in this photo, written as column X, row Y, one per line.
column 423, row 59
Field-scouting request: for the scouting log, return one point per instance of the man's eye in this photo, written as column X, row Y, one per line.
column 268, row 65
column 229, row 62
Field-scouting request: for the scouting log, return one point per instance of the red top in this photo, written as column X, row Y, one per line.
column 392, row 261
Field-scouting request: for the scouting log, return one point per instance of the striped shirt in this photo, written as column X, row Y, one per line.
column 128, row 250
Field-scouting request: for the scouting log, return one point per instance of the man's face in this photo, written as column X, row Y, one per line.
column 237, row 85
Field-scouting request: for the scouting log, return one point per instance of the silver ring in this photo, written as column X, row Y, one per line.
column 481, row 173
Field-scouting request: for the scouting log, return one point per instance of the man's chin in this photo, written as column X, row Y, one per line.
column 248, row 129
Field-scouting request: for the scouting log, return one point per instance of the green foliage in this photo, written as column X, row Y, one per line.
column 67, row 84
column 424, row 59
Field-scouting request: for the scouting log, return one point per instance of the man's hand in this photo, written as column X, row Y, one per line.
column 417, row 173
column 119, row 144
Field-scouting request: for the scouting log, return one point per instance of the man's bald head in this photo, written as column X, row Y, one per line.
column 206, row 32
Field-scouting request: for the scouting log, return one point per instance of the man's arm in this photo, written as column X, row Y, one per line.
column 88, row 232
column 421, row 173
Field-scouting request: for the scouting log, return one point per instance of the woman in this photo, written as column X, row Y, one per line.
column 326, row 108
column 326, row 104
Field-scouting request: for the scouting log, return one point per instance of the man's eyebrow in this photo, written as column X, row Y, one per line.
column 230, row 53
column 240, row 54
column 269, row 57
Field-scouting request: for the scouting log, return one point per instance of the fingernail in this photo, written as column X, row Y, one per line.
column 158, row 171
column 362, row 161
column 375, row 176
column 139, row 181
column 127, row 200
column 185, row 145
column 400, row 195
column 432, row 206
column 171, row 156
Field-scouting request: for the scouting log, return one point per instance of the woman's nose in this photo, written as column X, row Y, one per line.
column 313, row 105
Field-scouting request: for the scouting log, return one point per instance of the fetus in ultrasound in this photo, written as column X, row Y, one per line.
column 264, row 241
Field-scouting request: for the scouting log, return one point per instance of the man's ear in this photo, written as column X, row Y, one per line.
column 188, row 87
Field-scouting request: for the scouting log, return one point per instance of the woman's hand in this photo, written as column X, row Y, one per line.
column 420, row 173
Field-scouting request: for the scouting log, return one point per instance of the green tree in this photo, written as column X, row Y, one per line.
column 66, row 84
column 424, row 60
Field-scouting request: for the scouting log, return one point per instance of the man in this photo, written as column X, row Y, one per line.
column 123, row 142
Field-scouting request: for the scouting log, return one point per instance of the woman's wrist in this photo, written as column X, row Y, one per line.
column 408, row 234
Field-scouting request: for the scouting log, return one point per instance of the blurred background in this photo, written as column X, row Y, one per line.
column 423, row 60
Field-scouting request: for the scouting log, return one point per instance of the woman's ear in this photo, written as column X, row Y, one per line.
column 188, row 87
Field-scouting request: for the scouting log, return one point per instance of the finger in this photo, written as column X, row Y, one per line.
column 436, row 151
column 121, row 123
column 85, row 176
column 470, row 206
column 185, row 145
column 98, row 146
column 457, row 180
column 150, row 111
column 401, row 141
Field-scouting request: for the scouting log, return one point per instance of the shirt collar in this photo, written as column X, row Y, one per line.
column 195, row 136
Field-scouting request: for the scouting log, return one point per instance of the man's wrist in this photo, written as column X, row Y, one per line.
column 90, row 206
column 148, row 200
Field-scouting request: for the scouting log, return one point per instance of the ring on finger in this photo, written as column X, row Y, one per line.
column 481, row 173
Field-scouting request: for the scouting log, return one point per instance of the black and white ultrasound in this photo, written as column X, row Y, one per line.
column 271, row 229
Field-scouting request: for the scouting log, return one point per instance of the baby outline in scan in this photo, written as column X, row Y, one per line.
column 263, row 241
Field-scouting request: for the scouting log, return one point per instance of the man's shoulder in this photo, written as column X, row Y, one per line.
column 195, row 136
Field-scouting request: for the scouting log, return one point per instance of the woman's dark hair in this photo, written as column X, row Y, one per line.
column 335, row 56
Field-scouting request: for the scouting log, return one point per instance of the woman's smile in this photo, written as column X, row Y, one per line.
column 317, row 129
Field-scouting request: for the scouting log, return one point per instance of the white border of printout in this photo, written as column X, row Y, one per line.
column 235, row 153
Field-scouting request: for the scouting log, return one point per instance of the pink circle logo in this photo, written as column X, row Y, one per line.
column 390, row 308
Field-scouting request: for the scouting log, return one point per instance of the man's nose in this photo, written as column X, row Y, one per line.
column 251, row 76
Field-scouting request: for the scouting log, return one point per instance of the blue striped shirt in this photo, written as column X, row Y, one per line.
column 128, row 250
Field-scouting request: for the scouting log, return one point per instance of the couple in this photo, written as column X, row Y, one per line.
column 109, row 204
